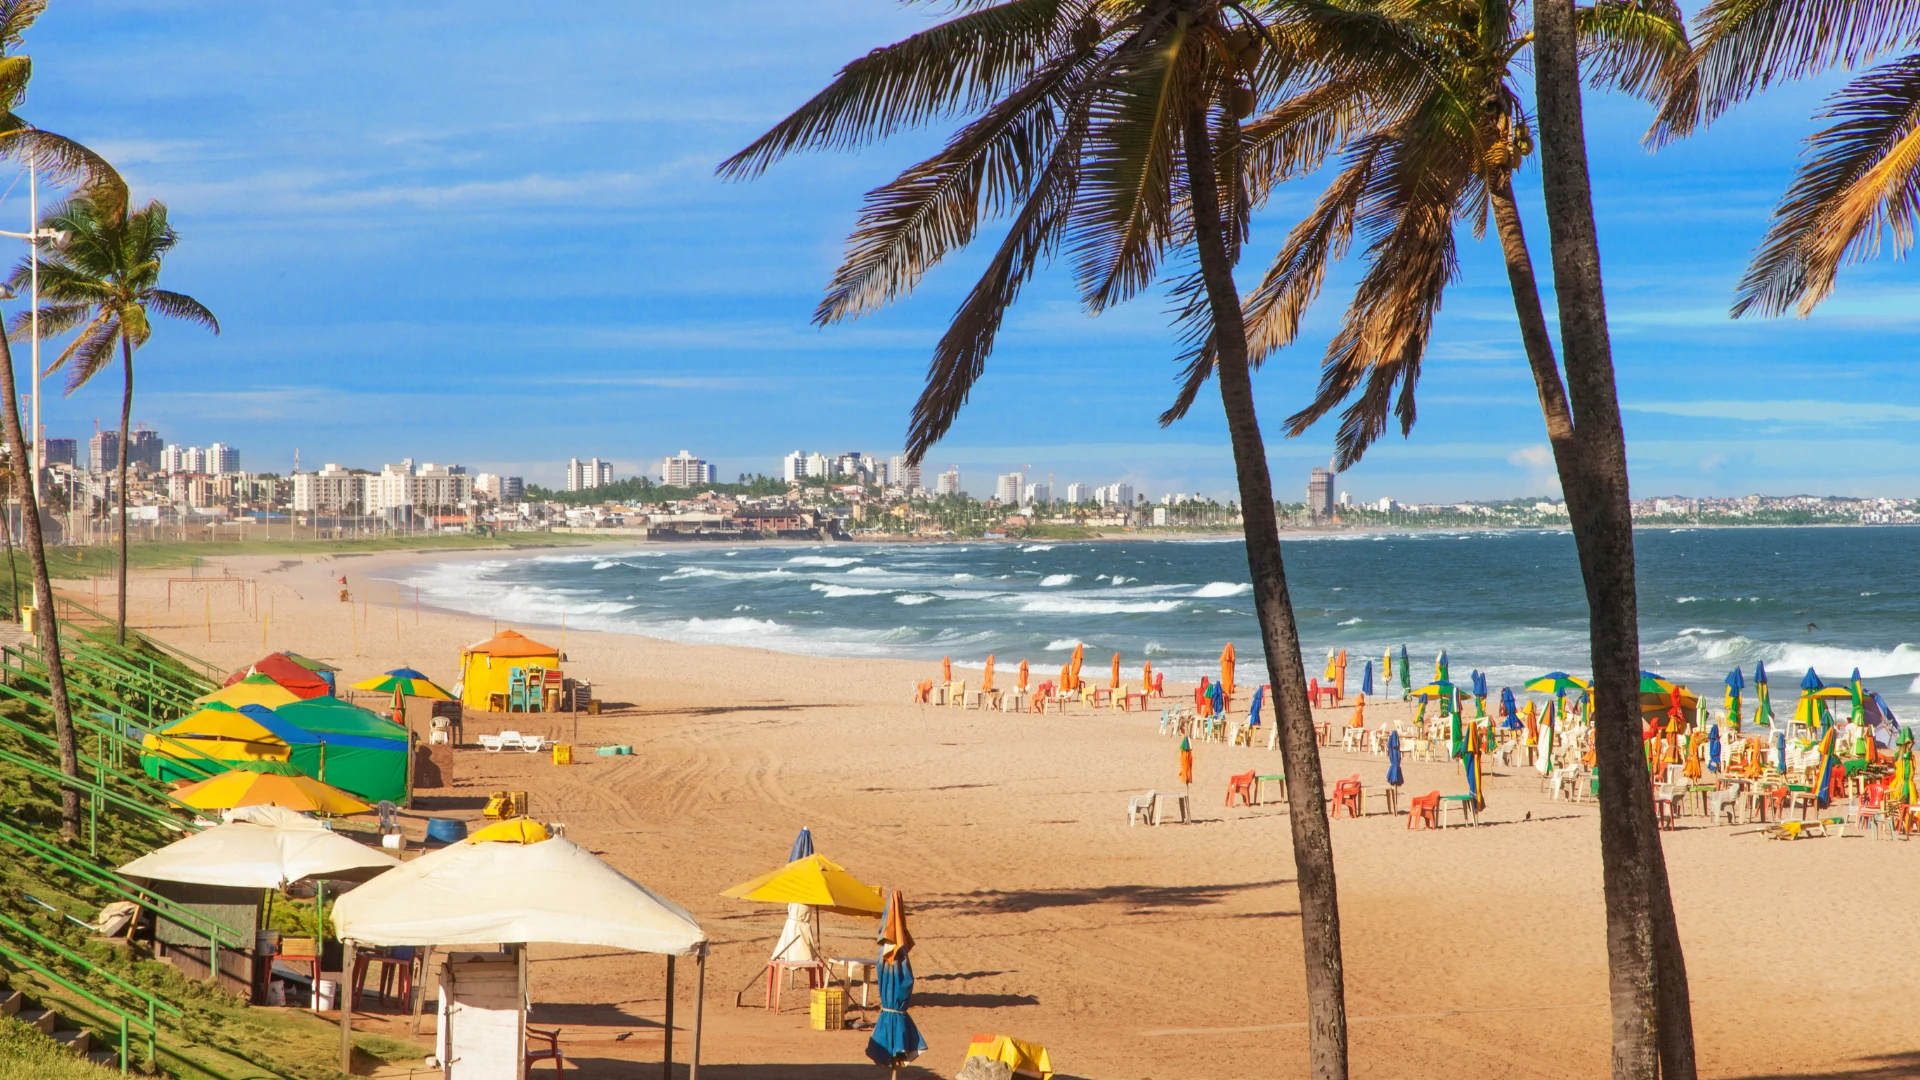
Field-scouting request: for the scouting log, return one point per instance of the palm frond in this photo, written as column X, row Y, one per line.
column 55, row 319
column 15, row 73
column 1296, row 137
column 88, row 353
column 1859, row 181
column 15, row 17
column 910, row 224
column 1124, row 216
column 62, row 160
column 1193, row 315
column 1742, row 46
column 183, row 307
column 961, row 355
column 960, row 65
column 1640, row 47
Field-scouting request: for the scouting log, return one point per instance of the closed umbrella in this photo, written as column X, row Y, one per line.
column 1510, row 710
column 1386, row 666
column 802, row 845
column 1713, row 748
column 1406, row 673
column 1366, row 678
column 1146, row 677
column 1186, row 761
column 946, row 670
column 1763, row 714
column 1114, row 682
column 986, row 680
column 1394, row 775
column 1470, row 762
column 1440, row 667
column 1218, row 697
column 1548, row 729
column 1253, row 714
column 1022, row 687
column 1079, row 657
column 1830, row 767
column 895, row 1040
column 1736, row 682
column 1902, row 789
column 1227, row 659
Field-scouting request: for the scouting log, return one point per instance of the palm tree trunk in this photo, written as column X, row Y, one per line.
column 42, row 595
column 1652, row 1016
column 1299, row 749
column 126, row 423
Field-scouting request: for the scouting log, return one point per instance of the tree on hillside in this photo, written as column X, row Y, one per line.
column 104, row 283
column 1126, row 133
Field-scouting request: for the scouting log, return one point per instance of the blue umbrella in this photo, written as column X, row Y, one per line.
column 1811, row 681
column 1218, row 694
column 1394, row 775
column 1253, row 714
column 1366, row 678
column 802, row 845
column 1513, row 711
column 1479, row 681
column 1736, row 682
column 895, row 1040
column 1713, row 748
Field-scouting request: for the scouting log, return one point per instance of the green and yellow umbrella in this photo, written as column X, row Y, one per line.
column 403, row 683
column 1557, row 683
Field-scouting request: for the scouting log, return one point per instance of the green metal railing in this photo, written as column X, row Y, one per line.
column 198, row 668
column 126, row 1019
column 219, row 934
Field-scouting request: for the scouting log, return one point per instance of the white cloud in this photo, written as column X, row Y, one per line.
column 1531, row 457
column 1793, row 412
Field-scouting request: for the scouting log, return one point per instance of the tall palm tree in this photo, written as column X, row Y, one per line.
column 103, row 281
column 1440, row 153
column 1858, row 185
column 1112, row 130
column 58, row 158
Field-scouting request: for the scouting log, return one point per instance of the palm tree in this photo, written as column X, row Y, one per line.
column 58, row 158
column 102, row 281
column 1112, row 130
column 1442, row 150
column 1857, row 185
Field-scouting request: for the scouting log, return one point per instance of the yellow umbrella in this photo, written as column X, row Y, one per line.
column 815, row 881
column 1226, row 669
column 262, row 783
column 518, row 830
column 252, row 690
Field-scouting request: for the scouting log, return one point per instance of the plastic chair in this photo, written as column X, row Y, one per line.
column 1139, row 809
column 1242, row 786
column 551, row 1052
column 1424, row 811
column 1346, row 796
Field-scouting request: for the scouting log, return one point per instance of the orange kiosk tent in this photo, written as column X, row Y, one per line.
column 485, row 666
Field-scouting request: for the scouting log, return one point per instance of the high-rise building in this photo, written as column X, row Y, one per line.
column 62, row 452
column 332, row 490
column 818, row 467
column 1077, row 494
column 103, row 451
column 793, row 467
column 501, row 489
column 143, row 450
column 1007, row 489
column 222, row 460
column 902, row 475
column 173, row 459
column 948, row 482
column 430, row 488
column 585, row 475
column 1320, row 494
column 1038, row 494
column 1120, row 495
column 685, row 471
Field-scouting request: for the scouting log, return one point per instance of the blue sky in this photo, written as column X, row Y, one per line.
column 490, row 234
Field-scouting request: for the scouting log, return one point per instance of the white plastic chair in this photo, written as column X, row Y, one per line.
column 1139, row 809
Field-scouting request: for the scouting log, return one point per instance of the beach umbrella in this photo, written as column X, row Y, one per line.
column 1859, row 705
column 895, row 1041
column 1713, row 748
column 946, row 669
column 1146, row 677
column 252, row 690
column 1333, row 662
column 1394, row 775
column 813, row 880
column 1513, row 721
column 1457, row 742
column 1555, row 683
column 1359, row 711
column 1227, row 660
column 1079, row 657
column 1218, row 695
column 1810, row 681
column 1470, row 761
column 1114, row 682
column 1902, row 788
column 403, row 683
column 1440, row 667
column 1548, row 729
column 1259, row 698
column 1366, row 678
column 1406, row 672
column 1829, row 766
column 1736, row 682
column 1022, row 686
column 1066, row 677
column 1186, row 761
column 268, row 783
column 1386, row 666
column 802, row 845
column 986, row 679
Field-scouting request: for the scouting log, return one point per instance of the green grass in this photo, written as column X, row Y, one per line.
column 80, row 562
column 25, row 1054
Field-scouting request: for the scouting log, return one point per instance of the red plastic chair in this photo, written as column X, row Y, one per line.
column 1241, row 785
column 551, row 1052
column 1321, row 696
column 1424, row 811
column 1346, row 796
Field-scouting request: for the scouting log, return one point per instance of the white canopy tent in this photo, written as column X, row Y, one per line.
column 485, row 892
column 266, row 847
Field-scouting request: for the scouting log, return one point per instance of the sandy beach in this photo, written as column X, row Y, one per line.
column 1131, row 953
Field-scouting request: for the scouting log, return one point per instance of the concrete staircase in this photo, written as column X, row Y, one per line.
column 46, row 1019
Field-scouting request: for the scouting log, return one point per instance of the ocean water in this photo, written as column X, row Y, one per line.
column 1508, row 603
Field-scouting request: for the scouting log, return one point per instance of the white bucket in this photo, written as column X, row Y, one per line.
column 325, row 993
column 393, row 842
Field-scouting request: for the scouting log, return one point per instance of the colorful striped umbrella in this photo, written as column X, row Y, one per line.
column 1470, row 762
column 404, row 681
column 1548, row 729
column 1829, row 767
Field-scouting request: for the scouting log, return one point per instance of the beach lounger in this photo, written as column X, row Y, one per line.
column 533, row 744
column 506, row 740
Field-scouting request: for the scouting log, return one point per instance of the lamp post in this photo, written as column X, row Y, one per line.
column 36, row 444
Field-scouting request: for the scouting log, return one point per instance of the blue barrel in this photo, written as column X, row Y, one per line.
column 445, row 831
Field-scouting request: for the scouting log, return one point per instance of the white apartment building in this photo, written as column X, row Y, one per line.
column 430, row 488
column 216, row 460
column 583, row 475
column 1120, row 495
column 902, row 475
column 501, row 489
column 948, row 483
column 1007, row 488
column 685, row 471
column 332, row 490
column 818, row 467
column 1078, row 493
column 1038, row 494
column 222, row 460
column 793, row 467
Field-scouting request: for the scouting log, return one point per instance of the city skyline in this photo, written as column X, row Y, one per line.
column 376, row 305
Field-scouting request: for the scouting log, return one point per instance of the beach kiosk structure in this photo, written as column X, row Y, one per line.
column 484, row 900
column 487, row 672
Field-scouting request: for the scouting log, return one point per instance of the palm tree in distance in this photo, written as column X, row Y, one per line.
column 1442, row 154
column 103, row 282
column 58, row 158
column 1858, row 186
column 1124, row 133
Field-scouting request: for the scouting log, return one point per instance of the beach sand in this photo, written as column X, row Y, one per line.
column 1130, row 952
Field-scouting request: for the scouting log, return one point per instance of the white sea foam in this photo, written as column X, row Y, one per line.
column 1721, row 646
column 963, row 577
column 1054, row 581
column 912, row 599
column 1216, row 589
column 1074, row 605
column 686, row 572
column 1121, row 579
column 1355, row 621
column 604, row 563
column 1062, row 644
column 1686, row 599
column 869, row 570
column 735, row 626
column 834, row 592
column 823, row 560
column 1154, row 648
column 1038, row 547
